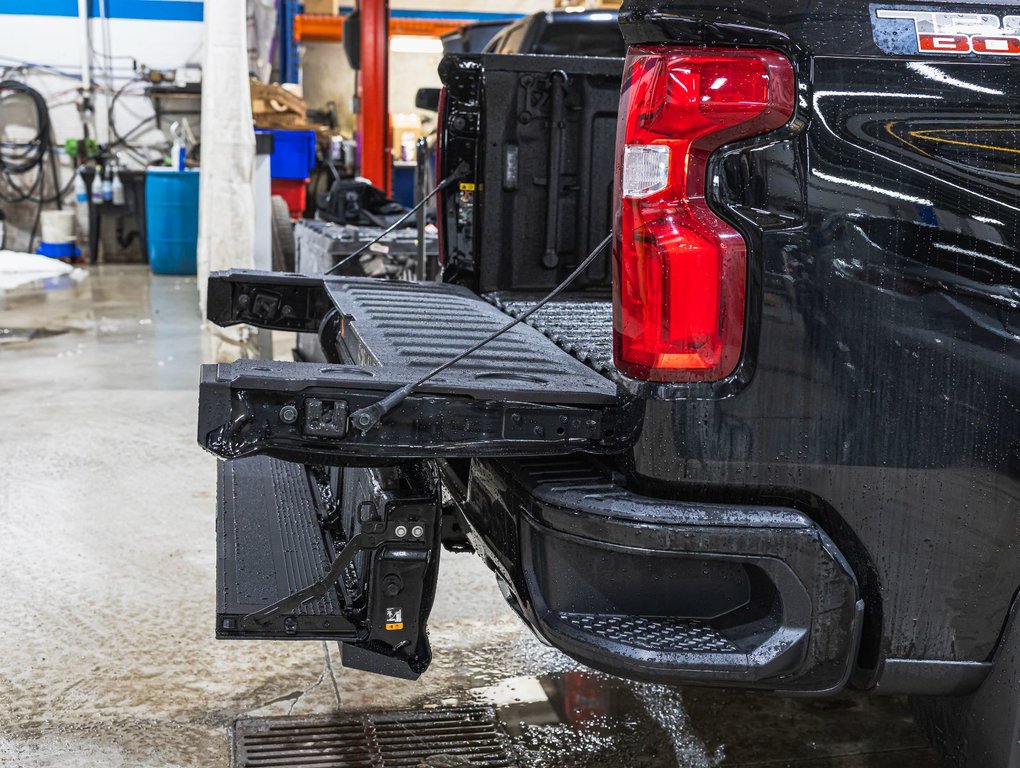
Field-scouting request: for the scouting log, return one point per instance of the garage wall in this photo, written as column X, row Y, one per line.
column 168, row 34
column 161, row 34
column 48, row 32
column 328, row 77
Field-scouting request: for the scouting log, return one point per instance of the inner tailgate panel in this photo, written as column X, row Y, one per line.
column 521, row 394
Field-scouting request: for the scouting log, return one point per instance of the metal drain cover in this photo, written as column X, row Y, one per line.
column 469, row 736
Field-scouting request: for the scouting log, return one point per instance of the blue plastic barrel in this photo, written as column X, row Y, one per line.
column 171, row 221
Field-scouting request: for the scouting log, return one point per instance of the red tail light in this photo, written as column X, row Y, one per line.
column 679, row 270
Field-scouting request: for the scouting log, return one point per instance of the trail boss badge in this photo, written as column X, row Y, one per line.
column 906, row 29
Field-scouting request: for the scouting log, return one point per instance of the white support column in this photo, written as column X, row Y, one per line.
column 227, row 207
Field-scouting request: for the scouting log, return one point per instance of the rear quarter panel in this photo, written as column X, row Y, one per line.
column 880, row 386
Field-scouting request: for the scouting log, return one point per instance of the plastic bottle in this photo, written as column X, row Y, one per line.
column 117, row 187
column 97, row 186
column 178, row 154
column 81, row 190
column 107, row 185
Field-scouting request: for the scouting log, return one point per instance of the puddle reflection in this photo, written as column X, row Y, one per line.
column 582, row 719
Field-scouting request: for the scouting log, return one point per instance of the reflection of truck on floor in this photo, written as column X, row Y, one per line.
column 772, row 442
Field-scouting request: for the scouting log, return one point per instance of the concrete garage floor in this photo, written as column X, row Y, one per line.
column 107, row 556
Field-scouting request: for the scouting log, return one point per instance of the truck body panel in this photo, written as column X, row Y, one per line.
column 882, row 392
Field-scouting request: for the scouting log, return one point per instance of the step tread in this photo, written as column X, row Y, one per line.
column 270, row 541
column 654, row 633
column 583, row 327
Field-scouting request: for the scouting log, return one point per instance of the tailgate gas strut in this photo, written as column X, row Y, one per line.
column 557, row 128
column 366, row 418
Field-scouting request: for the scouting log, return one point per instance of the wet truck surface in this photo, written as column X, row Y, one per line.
column 770, row 440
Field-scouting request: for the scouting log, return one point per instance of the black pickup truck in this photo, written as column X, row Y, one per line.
column 772, row 441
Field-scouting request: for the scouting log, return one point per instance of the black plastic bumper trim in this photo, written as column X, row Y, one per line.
column 766, row 580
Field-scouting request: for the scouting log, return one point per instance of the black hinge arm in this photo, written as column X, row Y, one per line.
column 312, row 591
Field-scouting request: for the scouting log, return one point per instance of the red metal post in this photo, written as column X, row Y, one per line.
column 373, row 87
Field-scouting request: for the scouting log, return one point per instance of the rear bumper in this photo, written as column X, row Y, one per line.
column 667, row 591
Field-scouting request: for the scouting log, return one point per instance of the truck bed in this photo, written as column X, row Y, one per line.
column 580, row 325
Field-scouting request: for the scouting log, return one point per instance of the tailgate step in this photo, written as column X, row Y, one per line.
column 305, row 554
column 520, row 395
column 270, row 546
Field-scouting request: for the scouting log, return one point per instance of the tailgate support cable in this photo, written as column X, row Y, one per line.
column 368, row 417
column 458, row 173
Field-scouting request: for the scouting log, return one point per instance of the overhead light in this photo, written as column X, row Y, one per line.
column 601, row 17
column 411, row 44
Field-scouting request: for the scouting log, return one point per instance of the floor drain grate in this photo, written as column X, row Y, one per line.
column 373, row 740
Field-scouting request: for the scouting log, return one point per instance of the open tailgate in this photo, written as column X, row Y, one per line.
column 520, row 395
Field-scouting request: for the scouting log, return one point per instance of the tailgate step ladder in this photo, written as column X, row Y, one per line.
column 290, row 568
column 270, row 546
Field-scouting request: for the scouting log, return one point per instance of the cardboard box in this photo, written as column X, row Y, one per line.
column 322, row 7
column 273, row 106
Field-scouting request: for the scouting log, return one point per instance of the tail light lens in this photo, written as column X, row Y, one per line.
column 680, row 272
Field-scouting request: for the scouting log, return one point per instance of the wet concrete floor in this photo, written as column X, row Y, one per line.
column 107, row 556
